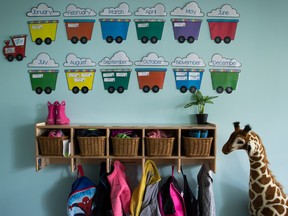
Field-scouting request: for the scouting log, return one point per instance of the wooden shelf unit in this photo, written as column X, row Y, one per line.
column 177, row 158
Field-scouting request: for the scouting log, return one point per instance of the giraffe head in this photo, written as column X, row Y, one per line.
column 244, row 139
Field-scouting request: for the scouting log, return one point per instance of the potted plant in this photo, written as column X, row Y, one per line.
column 200, row 101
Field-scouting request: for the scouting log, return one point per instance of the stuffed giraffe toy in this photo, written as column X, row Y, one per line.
column 266, row 195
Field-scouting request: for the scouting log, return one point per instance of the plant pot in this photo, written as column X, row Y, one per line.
column 202, row 118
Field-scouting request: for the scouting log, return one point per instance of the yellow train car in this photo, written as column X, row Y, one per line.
column 43, row 30
column 80, row 79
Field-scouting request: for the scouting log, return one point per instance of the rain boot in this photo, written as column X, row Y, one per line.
column 51, row 114
column 61, row 118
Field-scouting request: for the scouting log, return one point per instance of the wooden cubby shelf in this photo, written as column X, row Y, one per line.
column 177, row 158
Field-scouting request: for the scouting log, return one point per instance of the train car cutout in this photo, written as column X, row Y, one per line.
column 43, row 30
column 222, row 29
column 79, row 30
column 151, row 78
column 80, row 80
column 188, row 79
column 224, row 79
column 186, row 29
column 149, row 29
column 15, row 49
column 116, row 79
column 43, row 80
column 114, row 29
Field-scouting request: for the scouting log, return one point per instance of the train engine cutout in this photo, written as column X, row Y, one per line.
column 16, row 49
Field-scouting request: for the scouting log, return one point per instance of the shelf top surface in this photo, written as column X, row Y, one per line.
column 127, row 125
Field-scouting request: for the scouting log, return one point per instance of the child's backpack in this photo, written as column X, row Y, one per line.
column 170, row 198
column 81, row 197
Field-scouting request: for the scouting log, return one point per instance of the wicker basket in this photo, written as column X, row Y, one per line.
column 197, row 146
column 51, row 145
column 159, row 146
column 125, row 146
column 92, row 146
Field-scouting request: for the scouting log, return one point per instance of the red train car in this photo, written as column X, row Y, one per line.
column 222, row 29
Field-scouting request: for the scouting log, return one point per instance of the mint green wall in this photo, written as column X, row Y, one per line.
column 260, row 100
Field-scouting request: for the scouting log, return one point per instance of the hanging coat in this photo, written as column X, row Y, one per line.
column 102, row 200
column 205, row 191
column 120, row 191
column 191, row 202
column 144, row 197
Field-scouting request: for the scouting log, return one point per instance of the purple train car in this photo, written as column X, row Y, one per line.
column 186, row 29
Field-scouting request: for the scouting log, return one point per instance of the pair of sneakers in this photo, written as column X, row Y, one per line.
column 198, row 133
column 56, row 113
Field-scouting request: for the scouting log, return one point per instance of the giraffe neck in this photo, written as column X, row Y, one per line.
column 259, row 171
column 258, row 168
column 263, row 188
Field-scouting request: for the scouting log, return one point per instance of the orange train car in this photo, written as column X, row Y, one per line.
column 78, row 29
column 151, row 78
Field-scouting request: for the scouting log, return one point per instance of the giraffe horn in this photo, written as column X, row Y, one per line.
column 247, row 128
column 236, row 125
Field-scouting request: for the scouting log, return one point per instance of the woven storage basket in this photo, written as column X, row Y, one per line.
column 51, row 145
column 92, row 146
column 197, row 146
column 125, row 146
column 159, row 146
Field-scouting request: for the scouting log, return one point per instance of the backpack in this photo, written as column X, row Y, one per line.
column 190, row 200
column 170, row 198
column 80, row 199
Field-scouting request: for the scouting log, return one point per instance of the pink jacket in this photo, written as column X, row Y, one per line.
column 120, row 190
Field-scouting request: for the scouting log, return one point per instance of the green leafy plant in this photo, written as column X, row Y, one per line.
column 200, row 101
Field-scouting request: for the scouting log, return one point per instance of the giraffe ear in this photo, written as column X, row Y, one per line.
column 236, row 126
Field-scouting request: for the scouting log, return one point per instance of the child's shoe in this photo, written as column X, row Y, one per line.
column 51, row 114
column 61, row 118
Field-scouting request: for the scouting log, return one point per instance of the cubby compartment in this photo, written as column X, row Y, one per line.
column 50, row 141
column 161, row 142
column 198, row 142
column 90, row 142
column 125, row 142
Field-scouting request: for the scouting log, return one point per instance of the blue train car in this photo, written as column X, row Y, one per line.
column 188, row 79
column 114, row 29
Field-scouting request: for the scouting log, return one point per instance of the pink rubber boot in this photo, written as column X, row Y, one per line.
column 61, row 118
column 51, row 114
